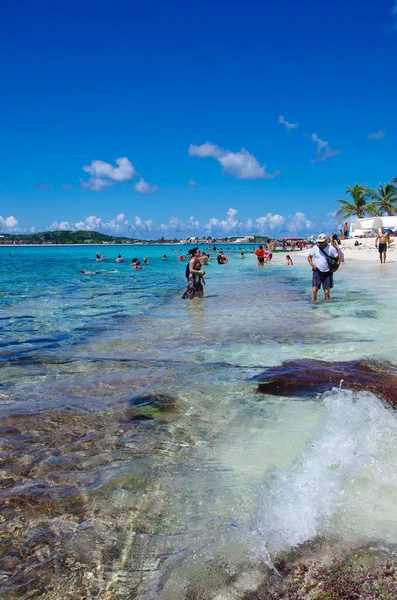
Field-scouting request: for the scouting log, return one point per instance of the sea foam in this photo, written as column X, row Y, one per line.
column 335, row 486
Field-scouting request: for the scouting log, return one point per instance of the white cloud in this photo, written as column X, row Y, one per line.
column 8, row 224
column 324, row 150
column 228, row 225
column 298, row 223
column 119, row 225
column 288, row 126
column 191, row 183
column 175, row 225
column 93, row 222
column 64, row 226
column 143, row 187
column 103, row 174
column 95, row 184
column 274, row 225
column 269, row 222
column 193, row 222
column 143, row 225
column 376, row 135
column 241, row 165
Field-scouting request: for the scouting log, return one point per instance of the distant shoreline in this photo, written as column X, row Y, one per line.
column 89, row 245
column 100, row 245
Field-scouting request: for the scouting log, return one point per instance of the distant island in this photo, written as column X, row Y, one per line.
column 94, row 237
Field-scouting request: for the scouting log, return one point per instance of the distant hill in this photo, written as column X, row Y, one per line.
column 65, row 237
column 94, row 237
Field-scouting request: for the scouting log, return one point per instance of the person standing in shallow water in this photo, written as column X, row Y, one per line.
column 382, row 242
column 195, row 280
column 322, row 274
column 260, row 255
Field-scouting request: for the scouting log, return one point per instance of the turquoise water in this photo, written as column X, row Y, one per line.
column 228, row 474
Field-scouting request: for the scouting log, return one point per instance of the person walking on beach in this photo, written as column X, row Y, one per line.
column 319, row 261
column 382, row 242
column 196, row 277
column 335, row 244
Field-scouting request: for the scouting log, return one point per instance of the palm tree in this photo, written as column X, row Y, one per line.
column 358, row 205
column 385, row 199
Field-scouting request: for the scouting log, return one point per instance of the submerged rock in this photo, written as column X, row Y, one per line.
column 320, row 569
column 151, row 405
column 75, row 492
column 308, row 377
column 316, row 573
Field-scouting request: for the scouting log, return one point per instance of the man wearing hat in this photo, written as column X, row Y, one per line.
column 322, row 274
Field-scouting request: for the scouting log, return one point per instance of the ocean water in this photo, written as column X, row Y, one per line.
column 227, row 474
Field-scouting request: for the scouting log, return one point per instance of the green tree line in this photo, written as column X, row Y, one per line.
column 366, row 202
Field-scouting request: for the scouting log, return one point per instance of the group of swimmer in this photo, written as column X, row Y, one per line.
column 264, row 256
column 135, row 263
column 197, row 259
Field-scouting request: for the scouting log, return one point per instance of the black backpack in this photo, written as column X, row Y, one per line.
column 333, row 262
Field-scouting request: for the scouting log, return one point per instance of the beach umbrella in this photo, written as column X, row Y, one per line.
column 357, row 224
column 378, row 223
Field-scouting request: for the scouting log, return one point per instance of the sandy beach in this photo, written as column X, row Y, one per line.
column 365, row 251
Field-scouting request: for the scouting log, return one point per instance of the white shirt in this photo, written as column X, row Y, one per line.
column 319, row 259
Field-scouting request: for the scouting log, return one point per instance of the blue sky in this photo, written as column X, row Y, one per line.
column 174, row 92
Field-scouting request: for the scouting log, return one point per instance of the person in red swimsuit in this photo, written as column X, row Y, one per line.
column 260, row 255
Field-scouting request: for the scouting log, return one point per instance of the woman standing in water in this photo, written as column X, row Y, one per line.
column 195, row 280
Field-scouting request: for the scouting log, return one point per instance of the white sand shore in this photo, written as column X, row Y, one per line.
column 366, row 251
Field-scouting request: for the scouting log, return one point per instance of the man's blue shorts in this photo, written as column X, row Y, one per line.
column 324, row 279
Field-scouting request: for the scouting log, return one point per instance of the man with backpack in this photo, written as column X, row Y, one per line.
column 324, row 260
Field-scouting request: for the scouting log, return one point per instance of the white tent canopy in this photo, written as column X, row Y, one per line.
column 377, row 223
column 361, row 227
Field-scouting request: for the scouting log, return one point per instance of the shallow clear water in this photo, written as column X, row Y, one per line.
column 229, row 472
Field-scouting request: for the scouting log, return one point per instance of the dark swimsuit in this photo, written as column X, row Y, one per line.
column 382, row 247
column 194, row 285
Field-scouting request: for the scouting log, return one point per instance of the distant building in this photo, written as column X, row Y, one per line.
column 245, row 240
column 194, row 241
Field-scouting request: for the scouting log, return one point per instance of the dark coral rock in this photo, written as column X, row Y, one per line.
column 308, row 377
column 151, row 405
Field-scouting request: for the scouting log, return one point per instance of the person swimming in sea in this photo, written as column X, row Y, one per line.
column 135, row 264
column 289, row 260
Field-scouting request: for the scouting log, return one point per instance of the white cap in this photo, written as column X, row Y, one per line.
column 322, row 238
